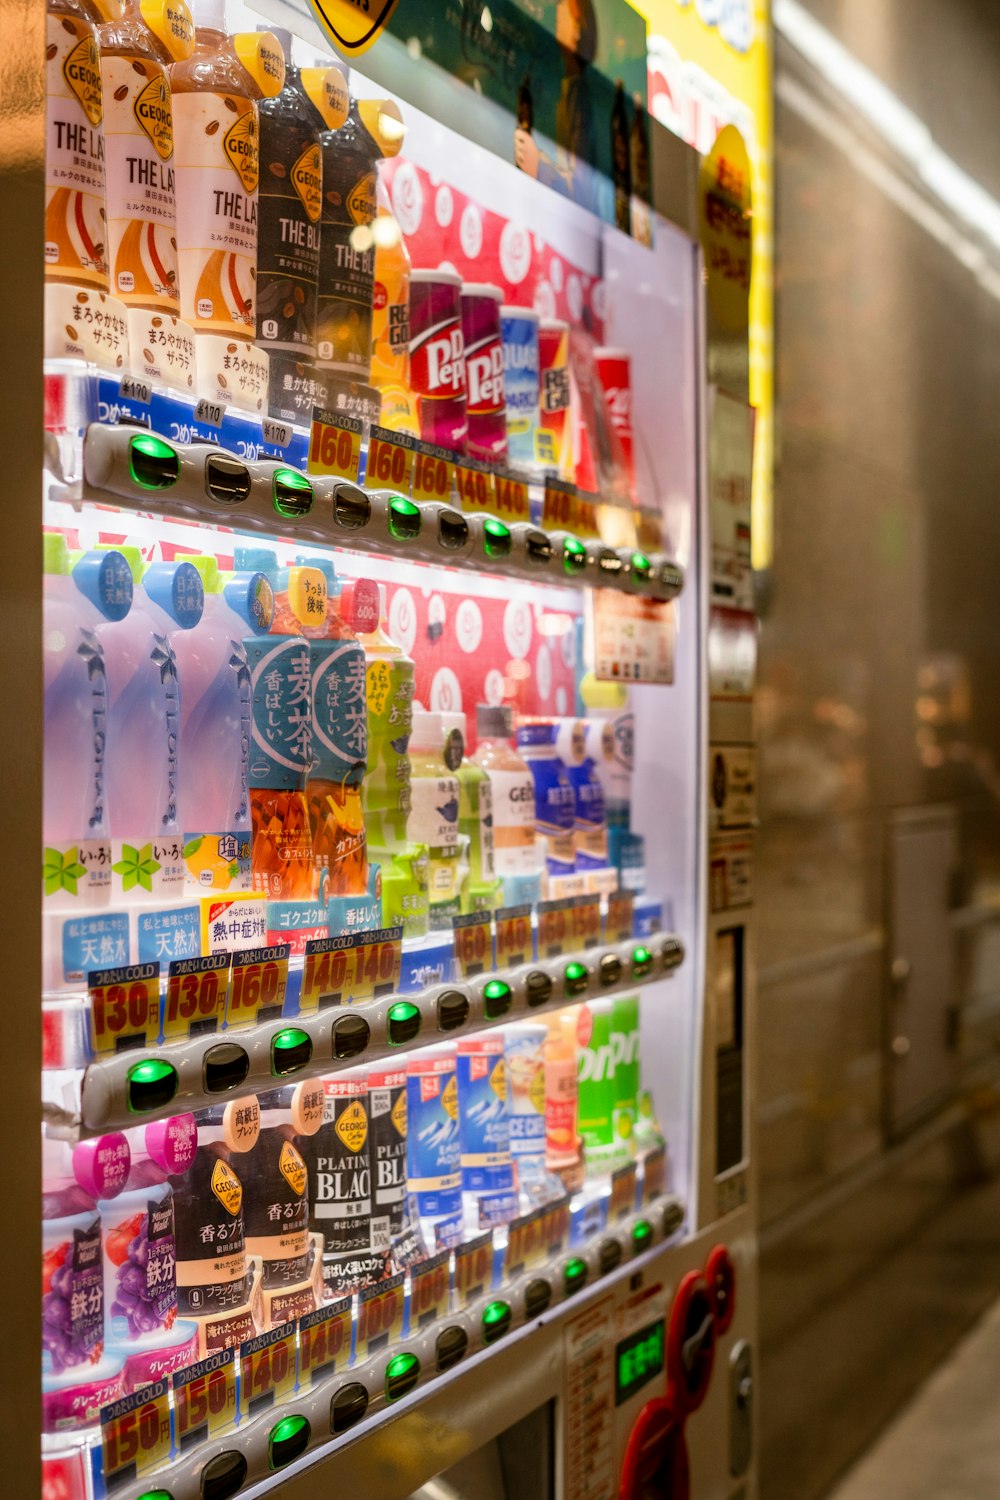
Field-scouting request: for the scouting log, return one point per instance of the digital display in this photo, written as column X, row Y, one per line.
column 637, row 1359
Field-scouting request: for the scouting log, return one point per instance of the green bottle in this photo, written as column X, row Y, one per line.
column 480, row 889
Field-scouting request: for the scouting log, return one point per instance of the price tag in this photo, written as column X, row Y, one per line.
column 565, row 508
column 623, row 1192
column 474, row 1267
column 204, row 1398
column 135, row 1433
column 267, row 1369
column 654, row 1174
column 513, row 929
column 430, row 1286
column 473, row 943
column 124, row 1007
column 525, row 1242
column 511, row 496
column 380, row 1315
column 432, row 469
column 555, row 1226
column 258, row 984
column 568, row 925
column 347, row 970
column 324, row 1341
column 197, row 993
column 475, row 485
column 620, row 917
column 334, row 445
column 390, row 460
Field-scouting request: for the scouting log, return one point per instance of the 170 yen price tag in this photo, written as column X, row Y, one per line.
column 197, row 992
column 390, row 460
column 124, row 1007
column 135, row 1433
column 334, row 445
column 346, row 970
column 258, row 984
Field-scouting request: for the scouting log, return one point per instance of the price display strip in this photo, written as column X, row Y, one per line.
column 511, row 491
column 526, row 1242
column 565, row 508
column 555, row 1226
column 124, row 1007
column 623, row 1192
column 135, row 1434
column 204, row 1399
column 197, row 995
column 513, row 931
column 473, row 942
column 432, row 472
column 380, row 1315
column 390, row 460
column 334, row 445
column 569, row 924
column 619, row 920
column 324, row 1341
column 430, row 1290
column 267, row 1369
column 474, row 1268
column 258, row 985
column 654, row 1174
column 347, row 970
column 476, row 486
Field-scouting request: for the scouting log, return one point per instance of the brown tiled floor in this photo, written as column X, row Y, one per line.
column 946, row 1444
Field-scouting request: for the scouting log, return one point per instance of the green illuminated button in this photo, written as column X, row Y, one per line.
column 291, row 1049
column 156, row 1495
column 576, row 977
column 574, row 555
column 496, row 1321
column 291, row 492
column 496, row 538
column 402, row 1023
column 642, row 568
column 574, row 1275
column 497, row 997
column 351, row 1035
column 288, row 1440
column 404, row 519
column 226, row 479
column 153, row 463
column 642, row 961
column 401, row 1375
column 150, row 1085
column 642, row 1235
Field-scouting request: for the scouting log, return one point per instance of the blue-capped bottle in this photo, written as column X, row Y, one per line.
column 555, row 801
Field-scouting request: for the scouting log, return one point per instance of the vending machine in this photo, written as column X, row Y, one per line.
column 389, row 628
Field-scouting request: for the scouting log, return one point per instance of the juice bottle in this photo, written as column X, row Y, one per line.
column 390, row 370
column 562, row 1144
column 76, row 233
column 480, row 888
column 276, row 1215
column 216, row 723
column 555, row 802
column 72, row 1279
column 516, row 854
column 434, row 811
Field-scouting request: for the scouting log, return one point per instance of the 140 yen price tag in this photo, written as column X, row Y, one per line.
column 124, row 1007
column 346, row 970
column 267, row 1369
column 513, row 924
column 324, row 1341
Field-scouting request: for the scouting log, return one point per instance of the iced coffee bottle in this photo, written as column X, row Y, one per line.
column 76, row 236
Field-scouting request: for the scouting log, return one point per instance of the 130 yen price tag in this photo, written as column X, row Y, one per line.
column 432, row 468
column 197, row 992
column 390, row 460
column 346, row 970
column 334, row 445
column 124, row 1007
column 258, row 984
column 135, row 1433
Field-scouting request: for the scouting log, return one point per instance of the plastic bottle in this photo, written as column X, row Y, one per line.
column 488, row 1191
column 144, row 733
column 516, row 854
column 276, row 1214
column 555, row 801
column 433, row 1151
column 480, row 888
column 590, row 829
column 434, row 812
column 390, row 368
column 76, row 238
column 216, row 726
column 388, row 1124
column 524, row 1055
column 596, row 1083
column 340, row 1187
column 562, row 1144
column 611, row 746
column 81, row 602
column 625, row 1045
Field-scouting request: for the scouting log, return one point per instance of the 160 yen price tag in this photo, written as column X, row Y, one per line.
column 390, row 460
column 513, row 924
column 258, row 984
column 124, row 1007
column 346, row 970
column 135, row 1433
column 473, row 943
column 432, row 469
column 197, row 992
column 334, row 445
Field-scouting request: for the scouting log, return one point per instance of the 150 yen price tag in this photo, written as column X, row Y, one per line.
column 204, row 1398
column 135, row 1433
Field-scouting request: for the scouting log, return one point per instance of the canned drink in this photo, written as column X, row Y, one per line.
column 614, row 371
column 555, row 434
column 437, row 357
column 519, row 328
column 484, row 379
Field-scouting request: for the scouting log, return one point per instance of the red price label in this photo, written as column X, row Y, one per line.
column 124, row 1006
column 197, row 992
column 513, row 927
column 474, row 1268
column 654, row 1174
column 619, row 921
column 258, row 985
column 267, row 1368
column 473, row 944
column 623, row 1189
column 380, row 1315
column 390, row 460
column 348, row 970
column 430, row 1285
column 135, row 1432
column 525, row 1242
column 565, row 508
column 476, row 487
column 324, row 1341
column 431, row 473
column 334, row 445
column 567, row 925
column 205, row 1398
column 511, row 497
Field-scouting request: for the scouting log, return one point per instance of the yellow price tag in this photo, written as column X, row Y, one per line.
column 267, row 1369
column 432, row 471
column 205, row 1397
column 619, row 920
column 258, row 984
column 197, row 992
column 350, row 969
column 511, row 496
column 430, row 1289
column 390, row 460
column 565, row 508
column 380, row 1314
column 476, row 486
column 474, row 1267
column 513, row 924
column 324, row 1341
column 334, row 445
column 124, row 1006
column 135, row 1432
column 473, row 943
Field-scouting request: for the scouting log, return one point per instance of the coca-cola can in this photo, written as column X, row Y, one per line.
column 614, row 371
column 553, row 371
column 437, row 357
column 485, row 400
